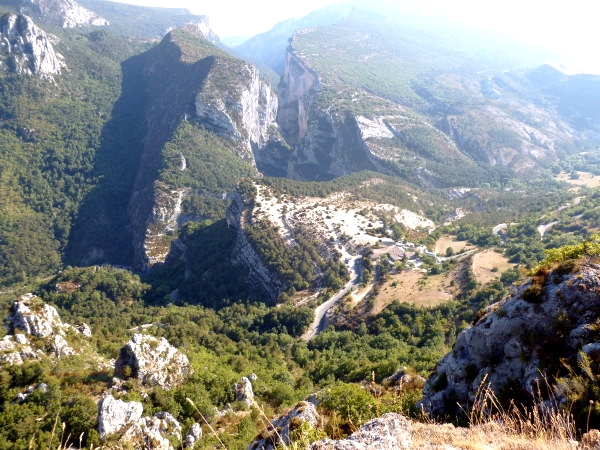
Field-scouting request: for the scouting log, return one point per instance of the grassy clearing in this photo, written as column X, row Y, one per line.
column 586, row 179
column 448, row 240
column 413, row 287
column 489, row 265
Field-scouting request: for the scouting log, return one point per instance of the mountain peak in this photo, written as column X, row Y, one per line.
column 64, row 13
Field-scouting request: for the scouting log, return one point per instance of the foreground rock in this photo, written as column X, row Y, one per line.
column 35, row 331
column 125, row 419
column 521, row 339
column 152, row 361
column 388, row 432
column 277, row 434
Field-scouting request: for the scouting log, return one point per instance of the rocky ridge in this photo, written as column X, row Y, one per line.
column 35, row 331
column 62, row 13
column 516, row 345
column 26, row 49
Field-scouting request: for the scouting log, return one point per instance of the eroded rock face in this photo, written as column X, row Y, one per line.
column 244, row 392
column 388, row 432
column 125, row 419
column 520, row 339
column 30, row 317
column 278, row 432
column 64, row 13
column 25, row 49
column 115, row 416
column 153, row 361
column 193, row 435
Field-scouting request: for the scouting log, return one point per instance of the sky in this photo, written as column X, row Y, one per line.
column 568, row 26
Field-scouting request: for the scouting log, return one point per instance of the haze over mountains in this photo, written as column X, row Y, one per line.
column 152, row 177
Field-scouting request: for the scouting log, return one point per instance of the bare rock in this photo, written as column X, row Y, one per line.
column 157, row 429
column 116, row 416
column 26, row 49
column 277, row 434
column 403, row 380
column 546, row 319
column 32, row 316
column 153, row 361
column 193, row 435
column 244, row 392
column 63, row 13
column 388, row 432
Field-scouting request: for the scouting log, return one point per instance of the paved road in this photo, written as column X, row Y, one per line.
column 320, row 321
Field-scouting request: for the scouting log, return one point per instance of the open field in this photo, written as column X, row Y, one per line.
column 413, row 287
column 449, row 241
column 586, row 179
column 489, row 265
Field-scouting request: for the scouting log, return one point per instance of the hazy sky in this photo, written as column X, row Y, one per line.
column 569, row 26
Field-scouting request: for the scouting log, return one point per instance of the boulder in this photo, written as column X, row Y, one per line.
column 244, row 392
column 404, row 380
column 156, row 430
column 389, row 432
column 152, row 361
column 277, row 434
column 116, row 416
column 193, row 435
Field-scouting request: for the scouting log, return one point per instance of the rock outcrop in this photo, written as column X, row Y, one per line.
column 116, row 416
column 521, row 339
column 26, row 49
column 277, row 434
column 152, row 361
column 388, row 432
column 62, row 13
column 243, row 391
column 193, row 435
column 35, row 330
column 125, row 419
column 244, row 254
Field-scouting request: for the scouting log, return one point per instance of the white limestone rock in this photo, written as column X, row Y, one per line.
column 153, row 361
column 157, row 429
column 32, row 316
column 244, row 392
column 64, row 13
column 115, row 416
column 389, row 432
column 26, row 49
column 193, row 435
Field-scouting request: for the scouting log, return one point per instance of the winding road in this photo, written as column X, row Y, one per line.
column 320, row 321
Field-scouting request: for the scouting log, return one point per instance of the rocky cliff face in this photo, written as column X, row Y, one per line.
column 521, row 339
column 244, row 254
column 26, row 49
column 63, row 13
column 188, row 79
column 327, row 142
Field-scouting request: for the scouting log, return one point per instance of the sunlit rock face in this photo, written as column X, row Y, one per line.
column 63, row 13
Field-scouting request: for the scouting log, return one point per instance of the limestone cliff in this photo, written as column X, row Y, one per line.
column 62, row 13
column 26, row 49
column 545, row 323
column 187, row 79
column 244, row 254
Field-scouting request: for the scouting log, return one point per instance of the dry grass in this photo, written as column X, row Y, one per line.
column 448, row 240
column 413, row 286
column 489, row 265
column 586, row 179
column 544, row 426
